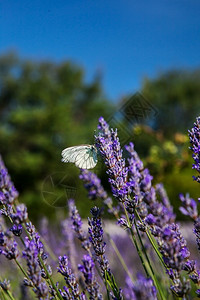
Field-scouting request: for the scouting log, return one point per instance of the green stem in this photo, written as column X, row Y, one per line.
column 135, row 242
column 10, row 295
column 151, row 241
column 149, row 263
column 106, row 284
column 49, row 277
column 3, row 293
column 24, row 272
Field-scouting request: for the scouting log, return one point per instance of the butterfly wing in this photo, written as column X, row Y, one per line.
column 84, row 157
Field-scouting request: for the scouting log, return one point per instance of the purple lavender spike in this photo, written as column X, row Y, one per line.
column 8, row 247
column 70, row 278
column 143, row 288
column 91, row 284
column 109, row 147
column 189, row 206
column 95, row 190
column 8, row 193
column 194, row 135
column 31, row 255
column 173, row 248
column 77, row 225
column 197, row 231
column 96, row 238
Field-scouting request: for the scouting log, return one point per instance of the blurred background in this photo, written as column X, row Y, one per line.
column 63, row 64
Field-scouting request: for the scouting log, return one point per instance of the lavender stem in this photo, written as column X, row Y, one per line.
column 135, row 242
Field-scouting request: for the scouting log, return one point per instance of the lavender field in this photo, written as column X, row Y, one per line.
column 143, row 253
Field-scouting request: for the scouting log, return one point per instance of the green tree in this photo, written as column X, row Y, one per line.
column 44, row 108
column 176, row 95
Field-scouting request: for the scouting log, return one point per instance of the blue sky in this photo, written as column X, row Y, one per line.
column 125, row 40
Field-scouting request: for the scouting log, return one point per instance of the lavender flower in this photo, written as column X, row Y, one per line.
column 16, row 229
column 123, row 222
column 144, row 198
column 195, row 277
column 95, row 190
column 8, row 193
column 93, row 184
column 8, row 246
column 77, row 225
column 21, row 214
column 144, row 195
column 66, row 295
column 173, row 248
column 194, row 135
column 31, row 253
column 91, row 284
column 35, row 237
column 189, row 206
column 70, row 278
column 108, row 144
column 67, row 243
column 135, row 168
column 5, row 285
column 197, row 231
column 142, row 289
column 160, row 191
column 96, row 238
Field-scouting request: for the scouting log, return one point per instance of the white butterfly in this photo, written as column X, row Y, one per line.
column 84, row 156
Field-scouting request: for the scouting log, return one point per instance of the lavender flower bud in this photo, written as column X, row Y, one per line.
column 189, row 266
column 195, row 277
column 198, row 293
column 16, row 229
column 21, row 214
column 8, row 246
column 5, row 285
column 123, row 223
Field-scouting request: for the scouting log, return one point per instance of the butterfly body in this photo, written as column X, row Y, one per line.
column 83, row 156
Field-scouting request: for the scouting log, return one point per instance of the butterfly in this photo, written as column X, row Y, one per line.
column 83, row 156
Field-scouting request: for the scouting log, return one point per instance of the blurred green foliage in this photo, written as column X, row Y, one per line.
column 44, row 108
column 176, row 95
column 47, row 106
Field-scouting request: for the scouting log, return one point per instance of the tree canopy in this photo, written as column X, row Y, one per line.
column 176, row 95
column 44, row 108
